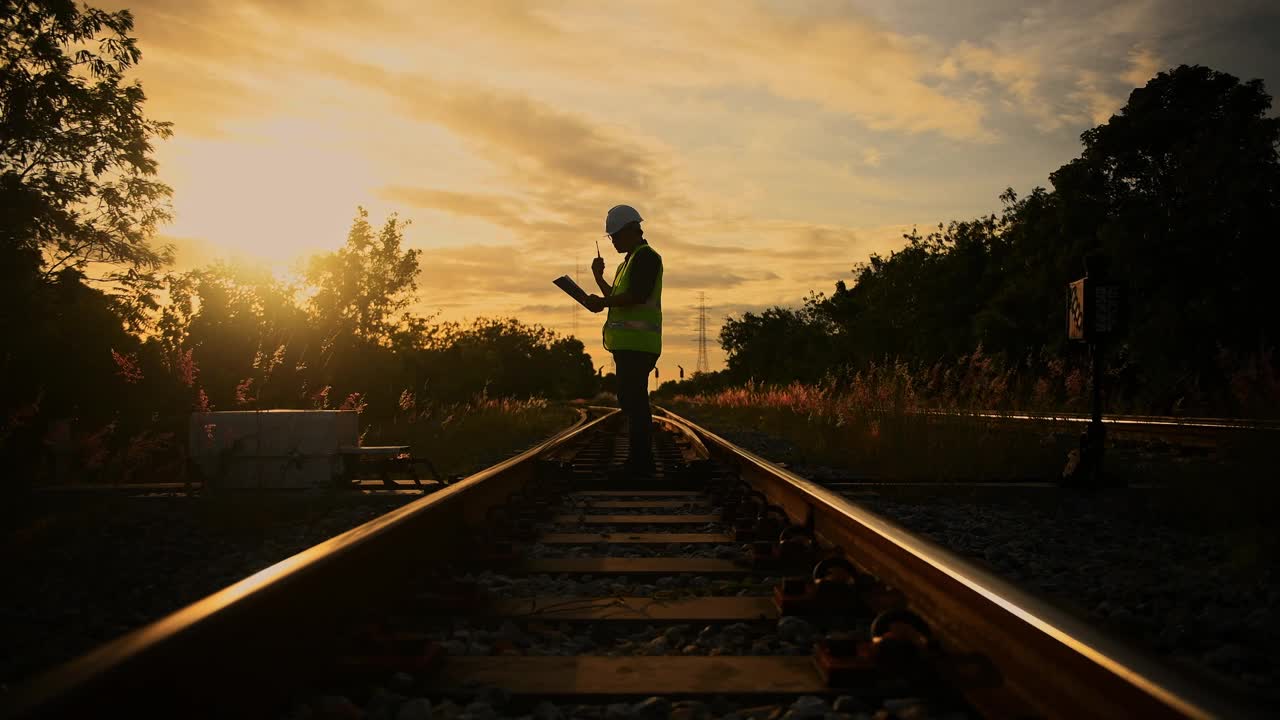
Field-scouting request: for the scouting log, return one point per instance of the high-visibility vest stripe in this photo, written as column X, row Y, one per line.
column 635, row 327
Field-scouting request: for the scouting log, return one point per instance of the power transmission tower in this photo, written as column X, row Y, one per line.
column 703, row 365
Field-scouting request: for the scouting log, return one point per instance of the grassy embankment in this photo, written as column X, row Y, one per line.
column 879, row 428
column 880, row 423
column 458, row 439
column 464, row 437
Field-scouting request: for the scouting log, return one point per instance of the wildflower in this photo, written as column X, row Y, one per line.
column 189, row 369
column 1041, row 393
column 1075, row 384
column 321, row 397
column 277, row 359
column 407, row 400
column 184, row 366
column 95, row 447
column 355, row 401
column 242, row 392
column 127, row 366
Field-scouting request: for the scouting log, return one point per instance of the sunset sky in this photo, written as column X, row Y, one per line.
column 769, row 145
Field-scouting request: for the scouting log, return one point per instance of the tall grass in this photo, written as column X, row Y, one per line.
column 459, row 438
column 877, row 424
column 875, row 421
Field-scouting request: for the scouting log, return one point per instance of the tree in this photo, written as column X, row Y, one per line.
column 507, row 358
column 1182, row 190
column 75, row 147
column 242, row 329
column 365, row 288
column 777, row 345
column 77, row 195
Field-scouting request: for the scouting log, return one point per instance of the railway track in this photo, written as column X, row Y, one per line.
column 1190, row 432
column 1183, row 431
column 725, row 583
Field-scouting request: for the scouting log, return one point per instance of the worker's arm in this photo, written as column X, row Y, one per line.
column 597, row 269
column 644, row 273
column 619, row 300
column 595, row 303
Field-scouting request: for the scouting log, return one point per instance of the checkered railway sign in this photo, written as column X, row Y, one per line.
column 1093, row 309
column 1075, row 310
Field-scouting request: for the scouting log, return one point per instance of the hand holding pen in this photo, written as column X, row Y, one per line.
column 597, row 265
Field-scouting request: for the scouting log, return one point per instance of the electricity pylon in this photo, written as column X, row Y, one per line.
column 703, row 365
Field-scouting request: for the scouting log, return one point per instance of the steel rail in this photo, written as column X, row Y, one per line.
column 266, row 630
column 1051, row 662
column 1153, row 420
column 1151, row 426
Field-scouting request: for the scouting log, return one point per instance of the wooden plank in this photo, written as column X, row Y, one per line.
column 374, row 484
column 632, row 676
column 701, row 609
column 641, row 504
column 628, row 566
column 586, row 519
column 120, row 487
column 638, row 493
column 635, row 538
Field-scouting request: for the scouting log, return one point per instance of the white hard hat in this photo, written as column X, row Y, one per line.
column 618, row 217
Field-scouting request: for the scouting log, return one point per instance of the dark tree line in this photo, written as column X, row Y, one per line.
column 104, row 348
column 1180, row 190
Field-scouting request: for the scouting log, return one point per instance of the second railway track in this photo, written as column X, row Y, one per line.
column 725, row 583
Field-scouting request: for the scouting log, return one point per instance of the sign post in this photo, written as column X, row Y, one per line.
column 1095, row 313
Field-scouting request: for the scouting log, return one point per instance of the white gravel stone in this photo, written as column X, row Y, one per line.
column 336, row 706
column 547, row 711
column 479, row 711
column 415, row 709
column 793, row 628
column 384, row 704
column 618, row 711
column 848, row 704
column 401, row 682
column 657, row 646
column 654, row 708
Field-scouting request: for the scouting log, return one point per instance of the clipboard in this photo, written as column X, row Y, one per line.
column 571, row 288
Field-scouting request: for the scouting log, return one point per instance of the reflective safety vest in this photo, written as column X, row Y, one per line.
column 635, row 327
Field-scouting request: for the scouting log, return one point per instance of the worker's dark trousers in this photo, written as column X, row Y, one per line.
column 633, row 398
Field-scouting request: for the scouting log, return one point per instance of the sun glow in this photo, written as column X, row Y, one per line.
column 281, row 191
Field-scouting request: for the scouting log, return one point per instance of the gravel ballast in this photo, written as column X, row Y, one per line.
column 499, row 585
column 387, row 704
column 1187, row 595
column 83, row 570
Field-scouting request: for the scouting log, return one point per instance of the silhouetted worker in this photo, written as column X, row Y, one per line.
column 633, row 330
